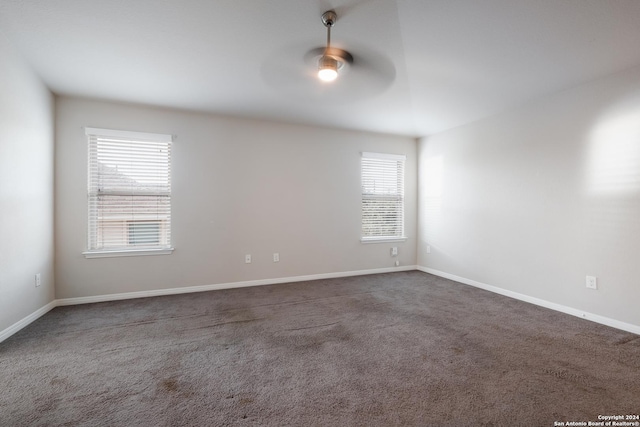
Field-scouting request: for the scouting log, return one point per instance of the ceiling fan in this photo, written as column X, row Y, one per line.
column 330, row 60
column 329, row 73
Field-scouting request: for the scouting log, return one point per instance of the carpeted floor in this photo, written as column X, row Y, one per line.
column 381, row 350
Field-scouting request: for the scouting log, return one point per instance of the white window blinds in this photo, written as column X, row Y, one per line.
column 129, row 190
column 382, row 196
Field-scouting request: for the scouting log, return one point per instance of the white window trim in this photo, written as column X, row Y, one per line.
column 369, row 155
column 367, row 240
column 160, row 137
column 383, row 239
column 127, row 252
column 101, row 253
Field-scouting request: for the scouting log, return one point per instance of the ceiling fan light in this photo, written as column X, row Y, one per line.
column 327, row 74
column 327, row 68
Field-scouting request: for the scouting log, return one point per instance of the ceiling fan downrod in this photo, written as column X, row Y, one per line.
column 327, row 64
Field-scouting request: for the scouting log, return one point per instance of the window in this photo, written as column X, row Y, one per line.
column 129, row 193
column 144, row 233
column 382, row 197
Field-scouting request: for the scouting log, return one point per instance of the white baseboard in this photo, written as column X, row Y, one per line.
column 537, row 301
column 173, row 291
column 27, row 320
column 230, row 285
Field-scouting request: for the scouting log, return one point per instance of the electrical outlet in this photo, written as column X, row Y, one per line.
column 394, row 251
column 592, row 282
column 38, row 280
column 428, row 249
column 397, row 263
column 247, row 259
column 276, row 257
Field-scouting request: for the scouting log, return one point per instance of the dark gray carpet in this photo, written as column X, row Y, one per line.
column 381, row 350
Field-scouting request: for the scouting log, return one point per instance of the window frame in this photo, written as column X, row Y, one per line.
column 127, row 249
column 400, row 160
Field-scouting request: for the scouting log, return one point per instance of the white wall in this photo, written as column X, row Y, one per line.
column 26, row 189
column 239, row 186
column 534, row 199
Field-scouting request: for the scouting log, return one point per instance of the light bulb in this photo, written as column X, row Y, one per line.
column 327, row 68
column 327, row 74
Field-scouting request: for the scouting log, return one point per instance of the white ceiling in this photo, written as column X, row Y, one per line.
column 452, row 61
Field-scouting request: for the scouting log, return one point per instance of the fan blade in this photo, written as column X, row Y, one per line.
column 293, row 72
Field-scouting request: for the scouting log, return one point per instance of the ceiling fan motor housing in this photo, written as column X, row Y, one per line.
column 327, row 61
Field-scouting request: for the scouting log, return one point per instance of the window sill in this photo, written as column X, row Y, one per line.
column 382, row 239
column 127, row 252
